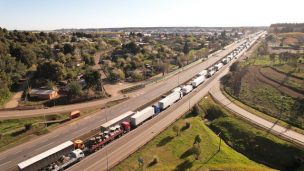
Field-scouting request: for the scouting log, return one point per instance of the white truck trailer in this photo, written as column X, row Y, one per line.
column 210, row 73
column 142, row 115
column 177, row 89
column 198, row 80
column 218, row 66
column 42, row 160
column 225, row 60
column 202, row 73
column 187, row 89
column 169, row 100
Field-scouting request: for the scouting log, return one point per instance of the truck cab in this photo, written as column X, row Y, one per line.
column 126, row 126
column 77, row 154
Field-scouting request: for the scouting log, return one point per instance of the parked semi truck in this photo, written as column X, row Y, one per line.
column 42, row 160
column 65, row 161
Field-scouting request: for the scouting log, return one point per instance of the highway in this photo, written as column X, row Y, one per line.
column 10, row 158
column 121, row 148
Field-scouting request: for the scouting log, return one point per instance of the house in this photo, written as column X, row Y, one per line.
column 43, row 94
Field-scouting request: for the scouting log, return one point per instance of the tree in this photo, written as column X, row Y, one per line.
column 197, row 110
column 197, row 139
column 234, row 67
column 131, row 48
column 116, row 75
column 272, row 57
column 176, row 129
column 196, row 151
column 24, row 54
column 68, row 48
column 51, row 70
column 51, row 85
column 74, row 89
column 61, row 58
column 186, row 49
column 88, row 59
column 92, row 78
column 137, row 75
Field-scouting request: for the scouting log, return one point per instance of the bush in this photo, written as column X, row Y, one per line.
column 196, row 110
column 188, row 125
column 155, row 159
column 28, row 126
column 137, row 75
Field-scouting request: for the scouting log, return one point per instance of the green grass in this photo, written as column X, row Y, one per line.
column 289, row 69
column 259, row 113
column 262, row 61
column 13, row 131
column 267, row 99
column 173, row 151
column 5, row 96
column 256, row 144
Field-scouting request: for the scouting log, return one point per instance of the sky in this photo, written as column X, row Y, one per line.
column 57, row 14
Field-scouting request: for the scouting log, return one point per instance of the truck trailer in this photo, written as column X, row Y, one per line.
column 66, row 160
column 140, row 116
column 198, row 80
column 42, row 160
column 169, row 100
column 218, row 66
column 187, row 89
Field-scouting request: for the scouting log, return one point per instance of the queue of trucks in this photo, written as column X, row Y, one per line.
column 71, row 152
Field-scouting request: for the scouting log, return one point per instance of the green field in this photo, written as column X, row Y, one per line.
column 16, row 131
column 256, row 144
column 242, row 148
column 174, row 152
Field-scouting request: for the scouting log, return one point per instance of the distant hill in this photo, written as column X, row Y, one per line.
column 157, row 29
column 286, row 27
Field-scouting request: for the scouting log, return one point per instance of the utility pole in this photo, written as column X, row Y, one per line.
column 178, row 78
column 219, row 135
column 45, row 124
column 107, row 159
column 281, row 108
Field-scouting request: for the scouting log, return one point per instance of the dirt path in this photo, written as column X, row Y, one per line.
column 14, row 101
column 280, row 87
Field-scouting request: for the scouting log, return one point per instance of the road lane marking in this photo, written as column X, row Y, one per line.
column 5, row 163
column 43, row 146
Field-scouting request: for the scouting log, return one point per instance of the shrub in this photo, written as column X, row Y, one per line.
column 28, row 126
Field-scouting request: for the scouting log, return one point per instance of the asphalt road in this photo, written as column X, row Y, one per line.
column 121, row 148
column 11, row 157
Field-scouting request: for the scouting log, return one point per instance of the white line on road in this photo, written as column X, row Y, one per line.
column 43, row 146
column 5, row 163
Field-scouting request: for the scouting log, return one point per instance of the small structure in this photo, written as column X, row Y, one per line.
column 43, row 94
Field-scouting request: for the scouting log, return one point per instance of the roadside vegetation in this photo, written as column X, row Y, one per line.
column 271, row 81
column 16, row 131
column 193, row 143
column 78, row 64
